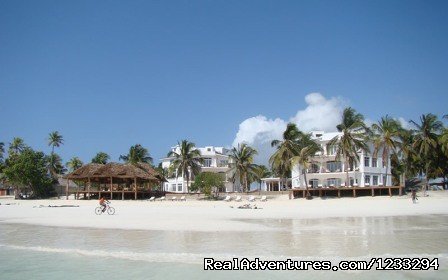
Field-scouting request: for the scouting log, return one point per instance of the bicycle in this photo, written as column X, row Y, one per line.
column 109, row 209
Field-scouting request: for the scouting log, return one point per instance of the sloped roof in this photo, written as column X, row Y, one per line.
column 142, row 171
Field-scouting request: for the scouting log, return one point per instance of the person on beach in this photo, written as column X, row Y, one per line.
column 103, row 202
column 414, row 196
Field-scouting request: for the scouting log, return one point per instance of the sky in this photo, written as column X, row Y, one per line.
column 111, row 74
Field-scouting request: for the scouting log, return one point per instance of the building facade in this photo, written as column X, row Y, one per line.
column 216, row 160
column 326, row 171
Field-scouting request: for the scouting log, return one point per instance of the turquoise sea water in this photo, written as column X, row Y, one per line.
column 38, row 252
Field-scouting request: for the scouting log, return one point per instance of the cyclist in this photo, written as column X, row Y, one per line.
column 103, row 202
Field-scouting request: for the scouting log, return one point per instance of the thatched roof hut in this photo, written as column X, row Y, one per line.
column 96, row 172
column 140, row 174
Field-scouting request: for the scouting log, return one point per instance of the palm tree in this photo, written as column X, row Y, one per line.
column 353, row 138
column 2, row 151
column 444, row 138
column 16, row 146
column 287, row 148
column 164, row 173
column 101, row 158
column 242, row 166
column 426, row 139
column 54, row 165
column 187, row 160
column 308, row 148
column 55, row 140
column 261, row 172
column 137, row 153
column 386, row 139
column 74, row 164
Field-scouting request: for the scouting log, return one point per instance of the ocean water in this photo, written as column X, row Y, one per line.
column 39, row 252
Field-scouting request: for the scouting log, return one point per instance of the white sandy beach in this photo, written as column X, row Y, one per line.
column 196, row 215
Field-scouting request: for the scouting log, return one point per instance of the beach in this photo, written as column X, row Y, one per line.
column 194, row 215
column 170, row 239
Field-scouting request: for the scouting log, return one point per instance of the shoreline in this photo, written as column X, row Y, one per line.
column 210, row 216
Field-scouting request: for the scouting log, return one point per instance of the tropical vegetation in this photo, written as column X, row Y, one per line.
column 186, row 161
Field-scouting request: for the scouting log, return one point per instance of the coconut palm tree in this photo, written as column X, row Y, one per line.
column 386, row 139
column 16, row 146
column 242, row 166
column 426, row 139
column 187, row 160
column 137, row 153
column 55, row 140
column 444, row 138
column 101, row 158
column 261, row 172
column 74, row 164
column 54, row 165
column 308, row 148
column 353, row 138
column 2, row 151
column 287, row 148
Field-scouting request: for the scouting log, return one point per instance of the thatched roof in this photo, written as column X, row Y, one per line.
column 142, row 171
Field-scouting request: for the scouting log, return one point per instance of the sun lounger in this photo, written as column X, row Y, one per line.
column 263, row 198
column 182, row 198
column 227, row 199
column 152, row 198
column 173, row 198
column 162, row 198
column 251, row 198
column 238, row 198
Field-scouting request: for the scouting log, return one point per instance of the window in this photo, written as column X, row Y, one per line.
column 334, row 166
column 173, row 187
column 375, row 180
column 314, row 168
column 314, row 183
column 334, row 182
column 374, row 162
column 367, row 180
column 207, row 162
column 384, row 180
column 331, row 150
column 223, row 163
column 366, row 161
column 179, row 187
column 167, row 187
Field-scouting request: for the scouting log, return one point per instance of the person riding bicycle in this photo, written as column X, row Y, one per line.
column 103, row 202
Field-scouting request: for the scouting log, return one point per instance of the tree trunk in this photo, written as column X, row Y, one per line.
column 387, row 166
column 308, row 195
column 347, row 178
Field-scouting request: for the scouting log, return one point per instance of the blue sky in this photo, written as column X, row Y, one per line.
column 110, row 74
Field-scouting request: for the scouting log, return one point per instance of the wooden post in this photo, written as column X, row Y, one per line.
column 66, row 190
column 354, row 192
column 135, row 186
column 372, row 191
column 400, row 191
column 390, row 191
column 111, row 185
column 303, row 193
column 339, row 193
column 88, row 189
column 320, row 193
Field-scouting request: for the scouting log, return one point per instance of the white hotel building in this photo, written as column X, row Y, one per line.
column 325, row 171
column 216, row 160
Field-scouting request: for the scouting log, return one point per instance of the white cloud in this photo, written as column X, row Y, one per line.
column 258, row 132
column 320, row 114
column 404, row 123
